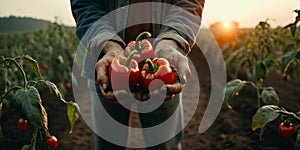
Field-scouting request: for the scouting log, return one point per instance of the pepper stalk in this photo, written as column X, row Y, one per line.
column 138, row 46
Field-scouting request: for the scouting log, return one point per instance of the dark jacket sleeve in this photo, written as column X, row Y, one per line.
column 183, row 25
column 92, row 32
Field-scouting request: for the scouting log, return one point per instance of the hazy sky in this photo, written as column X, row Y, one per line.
column 247, row 12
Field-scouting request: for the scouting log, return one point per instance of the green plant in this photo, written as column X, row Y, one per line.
column 268, row 113
column 25, row 97
column 266, row 51
column 57, row 42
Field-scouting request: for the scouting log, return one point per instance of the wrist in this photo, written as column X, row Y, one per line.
column 166, row 43
column 169, row 44
column 111, row 46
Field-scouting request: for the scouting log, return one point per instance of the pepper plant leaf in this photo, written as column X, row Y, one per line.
column 73, row 114
column 263, row 116
column 29, row 106
column 259, row 70
column 288, row 58
column 34, row 65
column 232, row 88
column 269, row 96
column 54, row 90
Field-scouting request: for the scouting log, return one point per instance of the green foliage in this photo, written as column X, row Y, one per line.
column 73, row 114
column 29, row 106
column 263, row 116
column 262, row 51
column 232, row 88
column 34, row 65
column 54, row 47
column 269, row 96
column 26, row 98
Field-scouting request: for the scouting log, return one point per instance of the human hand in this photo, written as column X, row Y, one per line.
column 110, row 50
column 168, row 49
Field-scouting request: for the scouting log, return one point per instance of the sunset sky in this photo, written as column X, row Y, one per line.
column 247, row 12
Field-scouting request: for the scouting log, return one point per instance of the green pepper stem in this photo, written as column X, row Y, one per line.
column 145, row 33
column 291, row 114
column 20, row 68
column 129, row 58
column 138, row 45
column 33, row 140
column 151, row 66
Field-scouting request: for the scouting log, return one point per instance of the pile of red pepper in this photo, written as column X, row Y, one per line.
column 140, row 67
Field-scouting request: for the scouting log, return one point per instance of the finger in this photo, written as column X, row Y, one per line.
column 108, row 95
column 174, row 88
column 178, row 61
column 102, row 75
column 183, row 69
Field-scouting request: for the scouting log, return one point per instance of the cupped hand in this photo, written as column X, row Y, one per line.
column 110, row 50
column 168, row 49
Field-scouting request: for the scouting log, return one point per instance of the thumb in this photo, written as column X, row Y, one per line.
column 183, row 69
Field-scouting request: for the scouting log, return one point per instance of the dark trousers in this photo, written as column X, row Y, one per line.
column 102, row 116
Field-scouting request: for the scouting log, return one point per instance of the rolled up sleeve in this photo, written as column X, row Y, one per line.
column 182, row 23
column 92, row 32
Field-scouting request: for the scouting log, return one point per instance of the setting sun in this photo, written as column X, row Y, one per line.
column 227, row 24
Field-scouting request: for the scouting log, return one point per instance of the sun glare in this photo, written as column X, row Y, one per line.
column 227, row 24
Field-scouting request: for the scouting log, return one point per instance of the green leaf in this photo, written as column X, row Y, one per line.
column 3, row 77
column 34, row 65
column 29, row 106
column 269, row 63
column 73, row 114
column 289, row 47
column 259, row 71
column 54, row 90
column 297, row 142
column 288, row 58
column 293, row 29
column 263, row 116
column 232, row 88
column 269, row 96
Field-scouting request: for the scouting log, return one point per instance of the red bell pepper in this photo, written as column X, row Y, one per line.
column 158, row 68
column 143, row 46
column 124, row 71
